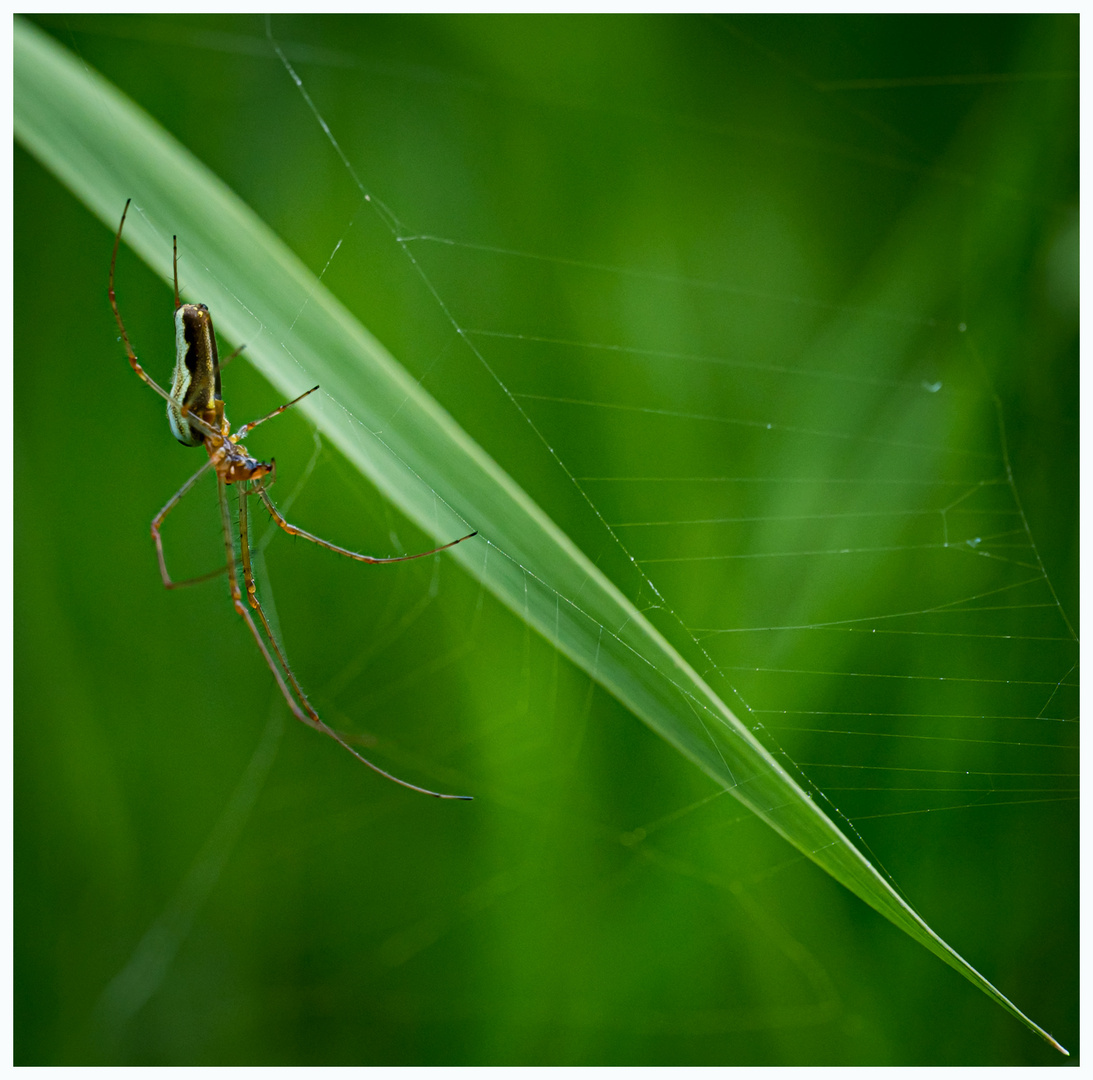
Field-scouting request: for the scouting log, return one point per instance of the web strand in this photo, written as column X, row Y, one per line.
column 909, row 492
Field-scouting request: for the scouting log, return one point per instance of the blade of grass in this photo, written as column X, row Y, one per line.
column 106, row 149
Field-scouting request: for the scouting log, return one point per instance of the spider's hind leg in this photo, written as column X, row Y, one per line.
column 302, row 708
column 157, row 522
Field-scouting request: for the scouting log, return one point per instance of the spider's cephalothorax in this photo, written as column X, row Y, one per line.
column 234, row 465
column 195, row 410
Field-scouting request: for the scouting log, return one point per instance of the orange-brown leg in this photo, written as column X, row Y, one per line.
column 294, row 530
column 269, row 416
column 309, row 716
column 240, row 607
column 157, row 521
column 117, row 315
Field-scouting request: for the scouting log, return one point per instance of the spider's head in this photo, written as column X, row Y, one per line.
column 240, row 468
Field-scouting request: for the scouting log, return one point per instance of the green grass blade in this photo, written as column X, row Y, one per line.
column 106, row 149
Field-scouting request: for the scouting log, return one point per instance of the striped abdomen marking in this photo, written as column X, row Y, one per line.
column 196, row 381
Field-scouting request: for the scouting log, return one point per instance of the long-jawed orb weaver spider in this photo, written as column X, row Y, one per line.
column 195, row 410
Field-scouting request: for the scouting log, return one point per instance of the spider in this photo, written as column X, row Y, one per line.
column 195, row 411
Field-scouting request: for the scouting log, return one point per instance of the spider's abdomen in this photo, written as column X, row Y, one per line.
column 195, row 385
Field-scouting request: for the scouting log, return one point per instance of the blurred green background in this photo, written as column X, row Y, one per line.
column 704, row 227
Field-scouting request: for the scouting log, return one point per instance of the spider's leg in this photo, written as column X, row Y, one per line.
column 230, row 357
column 269, row 416
column 134, row 363
column 157, row 521
column 194, row 420
column 251, row 591
column 294, row 530
column 240, row 607
column 174, row 245
column 308, row 716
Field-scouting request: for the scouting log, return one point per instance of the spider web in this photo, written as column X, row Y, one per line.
column 810, row 493
column 954, row 688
